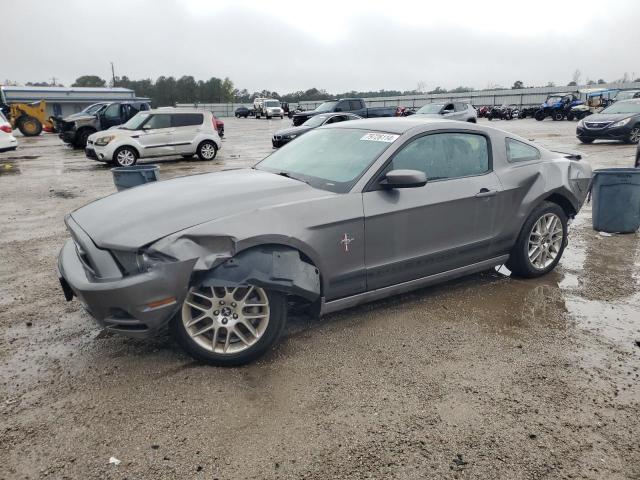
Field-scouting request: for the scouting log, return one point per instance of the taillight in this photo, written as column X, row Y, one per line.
column 5, row 128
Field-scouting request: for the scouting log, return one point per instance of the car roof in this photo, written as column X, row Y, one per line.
column 174, row 110
column 398, row 125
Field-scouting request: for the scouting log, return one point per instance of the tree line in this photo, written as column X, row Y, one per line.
column 168, row 90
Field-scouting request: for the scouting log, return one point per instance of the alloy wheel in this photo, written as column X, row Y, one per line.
column 634, row 136
column 125, row 158
column 208, row 151
column 545, row 241
column 226, row 320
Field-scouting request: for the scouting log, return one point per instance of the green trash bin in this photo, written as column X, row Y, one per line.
column 127, row 177
column 615, row 193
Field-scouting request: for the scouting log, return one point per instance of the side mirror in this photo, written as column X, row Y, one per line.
column 444, row 112
column 404, row 179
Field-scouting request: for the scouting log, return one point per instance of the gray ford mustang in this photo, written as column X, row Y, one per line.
column 346, row 214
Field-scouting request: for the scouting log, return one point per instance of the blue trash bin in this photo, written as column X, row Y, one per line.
column 127, row 177
column 616, row 200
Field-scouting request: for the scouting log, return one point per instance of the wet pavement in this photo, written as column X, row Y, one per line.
column 484, row 377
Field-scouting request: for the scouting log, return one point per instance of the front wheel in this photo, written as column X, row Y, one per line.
column 227, row 326
column 539, row 115
column 541, row 242
column 557, row 116
column 125, row 157
column 29, row 126
column 634, row 135
column 207, row 150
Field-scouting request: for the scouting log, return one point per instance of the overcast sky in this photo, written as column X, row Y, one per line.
column 337, row 45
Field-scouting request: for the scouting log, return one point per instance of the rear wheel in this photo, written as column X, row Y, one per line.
column 539, row 115
column 228, row 326
column 29, row 126
column 81, row 139
column 541, row 242
column 207, row 150
column 557, row 116
column 125, row 157
column 634, row 135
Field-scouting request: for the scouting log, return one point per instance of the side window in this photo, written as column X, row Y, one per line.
column 112, row 112
column 186, row 119
column 445, row 155
column 342, row 106
column 158, row 121
column 355, row 105
column 521, row 152
column 448, row 106
column 460, row 107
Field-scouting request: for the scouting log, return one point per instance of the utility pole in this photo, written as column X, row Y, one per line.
column 53, row 80
column 113, row 76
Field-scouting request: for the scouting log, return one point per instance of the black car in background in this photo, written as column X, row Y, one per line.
column 282, row 137
column 620, row 121
column 243, row 112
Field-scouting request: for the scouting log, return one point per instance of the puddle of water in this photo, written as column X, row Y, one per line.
column 62, row 193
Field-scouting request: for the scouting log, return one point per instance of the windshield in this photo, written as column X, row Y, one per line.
column 136, row 121
column 554, row 99
column 626, row 95
column 329, row 158
column 95, row 108
column 326, row 107
column 316, row 121
column 623, row 107
column 431, row 108
column 272, row 103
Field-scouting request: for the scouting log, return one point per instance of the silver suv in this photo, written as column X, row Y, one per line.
column 450, row 111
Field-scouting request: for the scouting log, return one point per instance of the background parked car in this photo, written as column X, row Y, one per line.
column 619, row 121
column 7, row 140
column 627, row 95
column 242, row 112
column 157, row 133
column 356, row 106
column 282, row 137
column 219, row 125
column 450, row 111
column 75, row 129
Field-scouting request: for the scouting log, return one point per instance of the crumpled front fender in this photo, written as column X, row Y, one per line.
column 274, row 267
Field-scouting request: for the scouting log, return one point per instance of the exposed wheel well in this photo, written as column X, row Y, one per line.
column 472, row 120
column 563, row 202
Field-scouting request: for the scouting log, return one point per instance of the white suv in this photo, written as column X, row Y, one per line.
column 7, row 141
column 157, row 133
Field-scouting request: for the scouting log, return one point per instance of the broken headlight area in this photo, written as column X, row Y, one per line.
column 132, row 263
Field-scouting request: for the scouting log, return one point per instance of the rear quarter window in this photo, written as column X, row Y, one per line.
column 521, row 152
column 186, row 119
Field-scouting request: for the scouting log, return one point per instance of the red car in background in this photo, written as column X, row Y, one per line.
column 219, row 124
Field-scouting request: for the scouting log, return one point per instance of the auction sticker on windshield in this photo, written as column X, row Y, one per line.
column 380, row 137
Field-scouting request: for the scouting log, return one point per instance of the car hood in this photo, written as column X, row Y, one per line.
column 608, row 117
column 78, row 117
column 294, row 130
column 307, row 114
column 136, row 217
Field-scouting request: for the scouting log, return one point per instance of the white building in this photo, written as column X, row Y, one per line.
column 64, row 101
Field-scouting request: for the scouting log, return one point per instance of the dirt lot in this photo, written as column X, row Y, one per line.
column 486, row 377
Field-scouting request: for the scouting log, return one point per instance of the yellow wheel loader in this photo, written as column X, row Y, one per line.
column 29, row 118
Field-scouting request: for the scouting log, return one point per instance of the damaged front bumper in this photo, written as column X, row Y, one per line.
column 139, row 305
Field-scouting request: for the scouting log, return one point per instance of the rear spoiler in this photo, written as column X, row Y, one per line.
column 569, row 155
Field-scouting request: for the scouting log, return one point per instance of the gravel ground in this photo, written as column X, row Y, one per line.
column 485, row 377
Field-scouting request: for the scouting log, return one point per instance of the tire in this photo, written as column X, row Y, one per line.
column 29, row 126
column 570, row 117
column 539, row 115
column 520, row 262
column 557, row 116
column 634, row 135
column 125, row 157
column 204, row 150
column 489, row 117
column 237, row 115
column 196, row 336
column 81, row 139
column 586, row 139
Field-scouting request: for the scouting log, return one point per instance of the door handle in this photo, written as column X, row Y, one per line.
column 485, row 192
